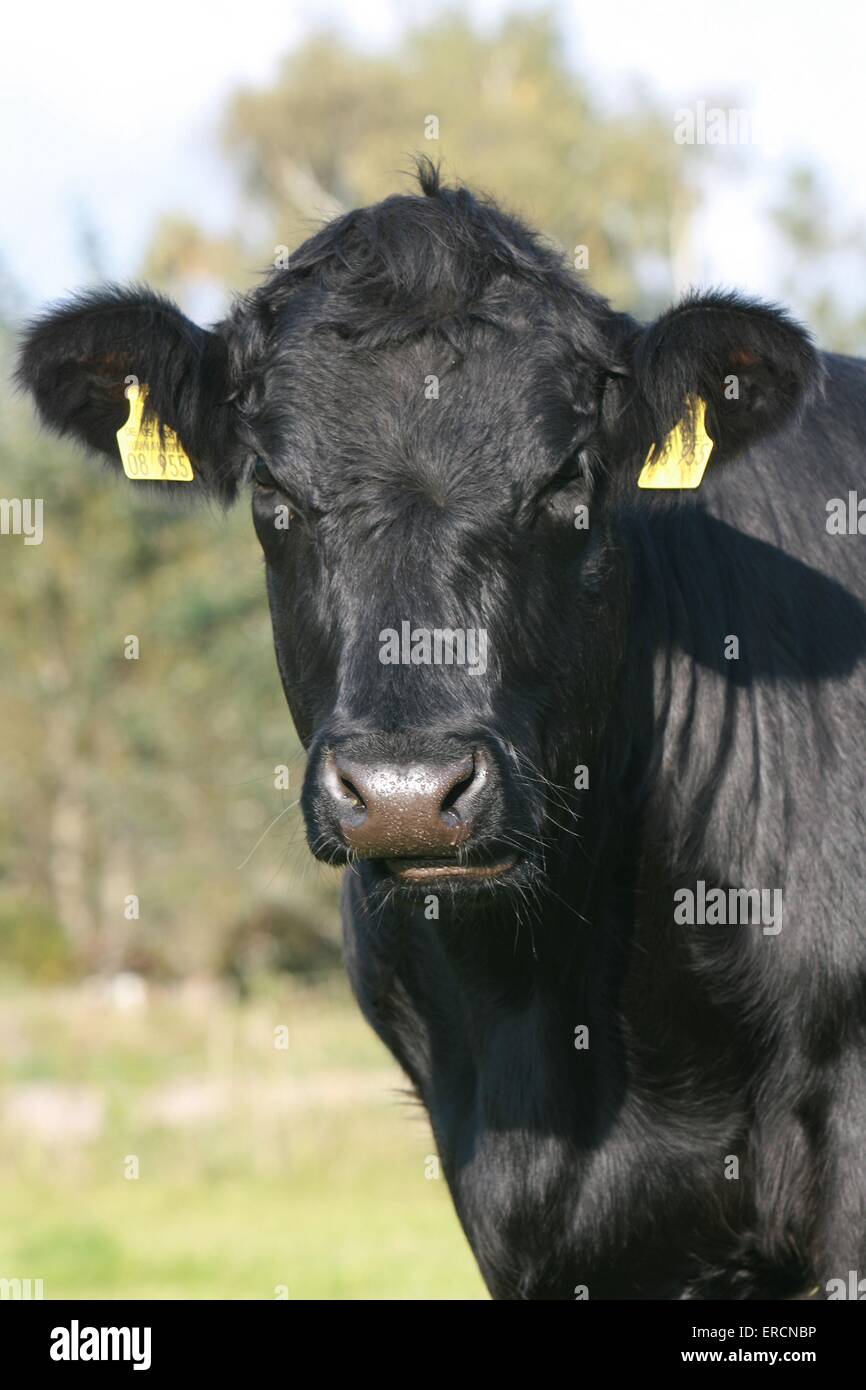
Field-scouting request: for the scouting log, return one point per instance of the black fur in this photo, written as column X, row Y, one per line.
column 602, row 1168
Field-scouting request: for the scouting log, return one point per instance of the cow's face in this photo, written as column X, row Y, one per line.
column 437, row 426
column 413, row 587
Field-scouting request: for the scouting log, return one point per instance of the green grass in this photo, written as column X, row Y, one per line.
column 259, row 1168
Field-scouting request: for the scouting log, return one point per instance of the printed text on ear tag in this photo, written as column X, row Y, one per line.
column 147, row 457
column 676, row 464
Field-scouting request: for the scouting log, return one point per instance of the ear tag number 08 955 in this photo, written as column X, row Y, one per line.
column 146, row 455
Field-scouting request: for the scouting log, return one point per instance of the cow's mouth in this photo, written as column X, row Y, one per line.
column 436, row 870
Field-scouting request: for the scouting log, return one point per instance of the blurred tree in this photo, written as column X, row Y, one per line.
column 151, row 776
column 181, row 255
column 825, row 262
column 339, row 126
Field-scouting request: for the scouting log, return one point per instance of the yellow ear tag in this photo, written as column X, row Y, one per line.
column 145, row 456
column 676, row 465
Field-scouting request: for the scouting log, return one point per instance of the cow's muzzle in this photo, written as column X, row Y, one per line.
column 420, row 819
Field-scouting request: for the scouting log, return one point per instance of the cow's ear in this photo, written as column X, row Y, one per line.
column 750, row 362
column 79, row 360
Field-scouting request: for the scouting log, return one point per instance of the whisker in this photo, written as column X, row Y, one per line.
column 267, row 831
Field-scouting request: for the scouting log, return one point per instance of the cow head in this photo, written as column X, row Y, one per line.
column 438, row 424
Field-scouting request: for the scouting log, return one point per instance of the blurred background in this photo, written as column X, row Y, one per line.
column 190, row 1104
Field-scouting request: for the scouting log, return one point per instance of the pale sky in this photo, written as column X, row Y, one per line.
column 111, row 110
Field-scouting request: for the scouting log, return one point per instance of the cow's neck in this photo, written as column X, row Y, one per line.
column 514, row 985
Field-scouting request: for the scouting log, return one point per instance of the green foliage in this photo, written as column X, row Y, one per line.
column 151, row 777
column 32, row 943
column 273, row 938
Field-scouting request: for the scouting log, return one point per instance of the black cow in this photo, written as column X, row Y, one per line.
column 593, row 752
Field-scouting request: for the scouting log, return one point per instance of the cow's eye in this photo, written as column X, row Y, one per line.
column 263, row 477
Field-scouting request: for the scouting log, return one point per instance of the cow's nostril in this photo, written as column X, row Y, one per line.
column 467, row 794
column 453, row 796
column 351, row 791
